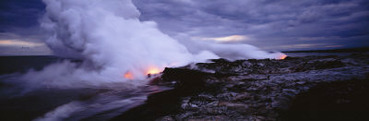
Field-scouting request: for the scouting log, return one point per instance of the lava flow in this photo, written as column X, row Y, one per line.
column 282, row 57
column 128, row 75
column 152, row 70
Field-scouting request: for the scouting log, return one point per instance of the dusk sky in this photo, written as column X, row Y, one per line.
column 268, row 24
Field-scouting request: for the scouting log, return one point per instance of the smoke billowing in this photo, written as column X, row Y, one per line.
column 110, row 39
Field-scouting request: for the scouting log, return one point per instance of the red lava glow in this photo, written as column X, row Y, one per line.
column 282, row 57
column 128, row 75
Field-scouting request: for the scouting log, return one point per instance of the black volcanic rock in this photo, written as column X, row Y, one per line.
column 254, row 89
column 338, row 101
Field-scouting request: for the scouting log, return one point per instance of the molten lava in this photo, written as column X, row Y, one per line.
column 128, row 75
column 282, row 57
column 153, row 70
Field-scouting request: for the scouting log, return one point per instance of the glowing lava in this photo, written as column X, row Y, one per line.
column 128, row 75
column 153, row 70
column 282, row 57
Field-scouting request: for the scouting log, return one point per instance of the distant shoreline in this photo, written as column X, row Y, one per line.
column 346, row 50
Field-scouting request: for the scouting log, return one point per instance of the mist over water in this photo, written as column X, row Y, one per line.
column 112, row 41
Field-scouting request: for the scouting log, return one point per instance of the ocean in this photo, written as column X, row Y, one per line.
column 17, row 103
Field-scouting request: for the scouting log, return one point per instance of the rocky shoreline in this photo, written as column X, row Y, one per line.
column 260, row 90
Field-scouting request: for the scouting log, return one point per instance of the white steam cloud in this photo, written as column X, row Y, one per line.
column 110, row 39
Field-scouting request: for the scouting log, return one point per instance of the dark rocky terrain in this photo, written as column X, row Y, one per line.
column 304, row 88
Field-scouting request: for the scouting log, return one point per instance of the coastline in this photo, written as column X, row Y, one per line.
column 248, row 89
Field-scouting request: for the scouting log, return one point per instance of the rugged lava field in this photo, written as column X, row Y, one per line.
column 296, row 88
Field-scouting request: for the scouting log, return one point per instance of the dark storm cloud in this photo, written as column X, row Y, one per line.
column 19, row 19
column 20, row 13
column 20, row 33
column 271, row 24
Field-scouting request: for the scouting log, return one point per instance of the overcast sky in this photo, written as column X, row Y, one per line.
column 268, row 24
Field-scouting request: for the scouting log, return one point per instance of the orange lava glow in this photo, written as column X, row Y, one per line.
column 153, row 70
column 149, row 71
column 282, row 57
column 128, row 75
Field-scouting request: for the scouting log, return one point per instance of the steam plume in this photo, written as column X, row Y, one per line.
column 110, row 39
